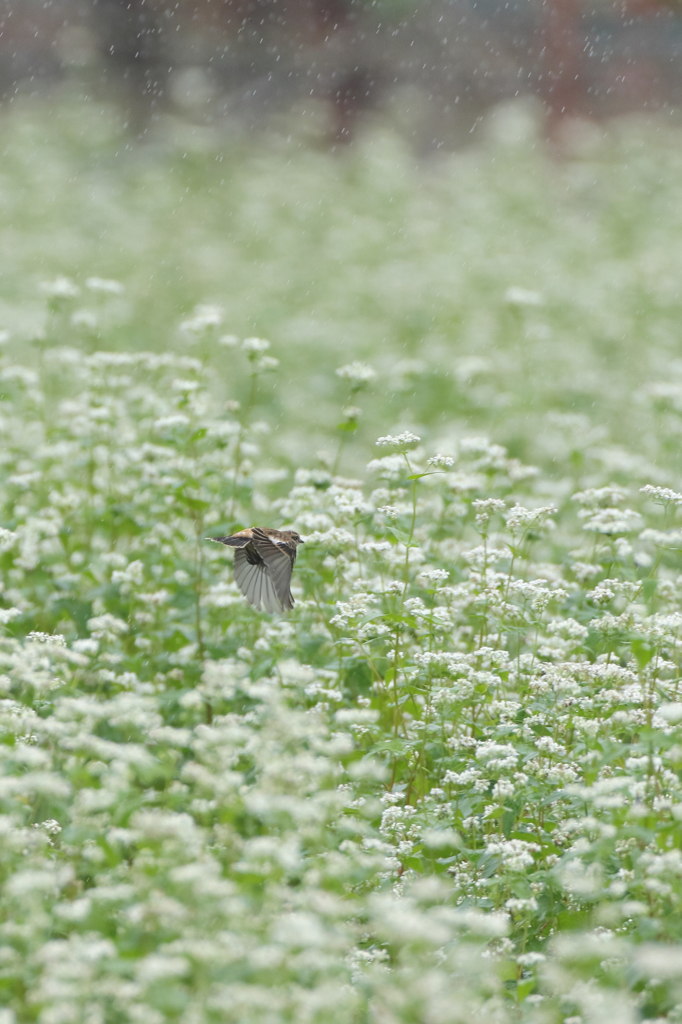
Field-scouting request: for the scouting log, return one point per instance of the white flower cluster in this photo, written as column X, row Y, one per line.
column 404, row 440
column 260, row 813
column 356, row 373
column 205, row 317
column 662, row 495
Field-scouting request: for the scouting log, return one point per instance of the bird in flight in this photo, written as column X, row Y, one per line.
column 263, row 564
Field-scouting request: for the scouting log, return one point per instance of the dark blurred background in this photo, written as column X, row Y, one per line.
column 433, row 67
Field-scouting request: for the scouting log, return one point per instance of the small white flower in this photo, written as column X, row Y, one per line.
column 662, row 538
column 85, row 646
column 503, row 789
column 530, row 959
column 390, row 511
column 662, row 495
column 515, row 296
column 47, row 638
column 434, row 575
column 517, row 906
column 61, row 288
column 584, row 571
column 520, row 518
column 255, row 345
column 266, row 363
column 84, row 318
column 106, row 626
column 335, row 537
column 357, row 373
column 209, row 315
column 567, row 629
column 204, row 318
column 133, row 573
column 610, row 521
column 389, row 467
column 486, row 508
column 403, row 440
column 157, row 597
column 7, row 539
column 168, row 422
column 601, row 497
column 515, row 854
column 106, row 285
column 371, row 547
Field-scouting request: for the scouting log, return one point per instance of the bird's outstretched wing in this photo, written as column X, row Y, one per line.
column 279, row 560
column 262, row 568
column 254, row 580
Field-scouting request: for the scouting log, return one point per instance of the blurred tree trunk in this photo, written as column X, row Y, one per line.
column 561, row 70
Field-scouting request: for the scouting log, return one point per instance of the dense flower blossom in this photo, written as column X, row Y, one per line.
column 466, row 731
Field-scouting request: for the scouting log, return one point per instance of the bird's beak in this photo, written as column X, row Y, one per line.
column 300, row 540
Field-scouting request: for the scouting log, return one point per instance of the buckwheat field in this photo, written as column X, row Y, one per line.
column 446, row 787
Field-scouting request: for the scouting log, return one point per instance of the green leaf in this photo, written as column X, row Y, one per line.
column 642, row 651
column 400, row 535
column 508, row 970
column 524, row 988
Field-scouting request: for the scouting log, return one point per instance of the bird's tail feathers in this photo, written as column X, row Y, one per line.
column 233, row 542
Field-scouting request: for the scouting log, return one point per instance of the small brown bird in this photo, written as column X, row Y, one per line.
column 263, row 564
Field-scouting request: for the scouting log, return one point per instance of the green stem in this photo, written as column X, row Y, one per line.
column 412, row 524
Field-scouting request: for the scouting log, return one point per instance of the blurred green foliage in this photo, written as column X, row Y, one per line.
column 487, row 287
